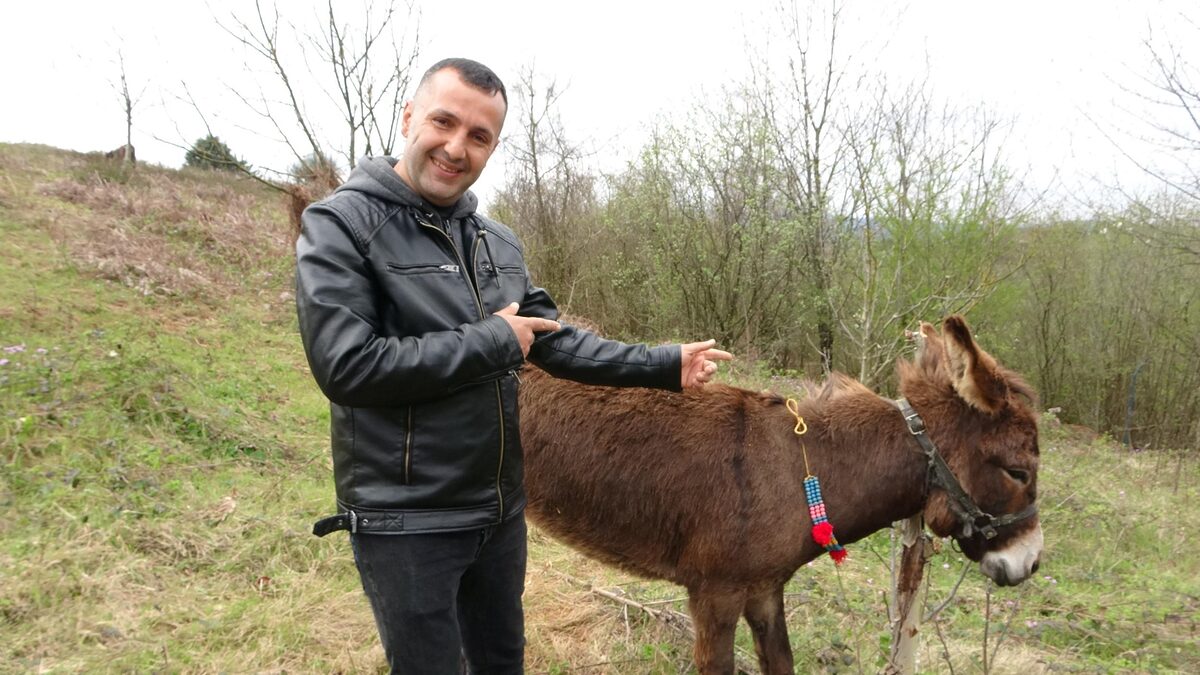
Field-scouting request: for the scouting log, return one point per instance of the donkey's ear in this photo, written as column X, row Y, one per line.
column 930, row 350
column 973, row 371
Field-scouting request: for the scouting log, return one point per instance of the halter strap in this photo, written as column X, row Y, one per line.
column 970, row 516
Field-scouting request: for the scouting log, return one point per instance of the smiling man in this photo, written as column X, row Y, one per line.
column 451, row 131
column 416, row 313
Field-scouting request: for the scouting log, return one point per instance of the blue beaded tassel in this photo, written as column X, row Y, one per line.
column 822, row 530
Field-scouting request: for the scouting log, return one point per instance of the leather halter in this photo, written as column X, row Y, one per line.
column 970, row 516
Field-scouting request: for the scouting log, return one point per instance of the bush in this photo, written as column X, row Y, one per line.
column 316, row 168
column 313, row 178
column 211, row 152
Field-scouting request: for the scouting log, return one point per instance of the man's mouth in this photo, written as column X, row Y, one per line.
column 445, row 167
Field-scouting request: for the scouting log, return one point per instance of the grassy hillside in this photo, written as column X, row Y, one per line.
column 163, row 453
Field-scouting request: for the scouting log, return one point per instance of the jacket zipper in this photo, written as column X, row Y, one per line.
column 402, row 269
column 408, row 434
column 479, row 305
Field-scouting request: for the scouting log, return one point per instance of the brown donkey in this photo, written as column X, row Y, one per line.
column 704, row 488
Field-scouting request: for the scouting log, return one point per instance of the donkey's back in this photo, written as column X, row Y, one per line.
column 677, row 486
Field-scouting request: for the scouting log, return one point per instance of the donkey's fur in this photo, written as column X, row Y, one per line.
column 704, row 488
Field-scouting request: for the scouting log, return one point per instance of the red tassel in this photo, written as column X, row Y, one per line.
column 838, row 555
column 823, row 533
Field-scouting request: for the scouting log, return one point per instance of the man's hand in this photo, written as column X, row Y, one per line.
column 526, row 326
column 698, row 362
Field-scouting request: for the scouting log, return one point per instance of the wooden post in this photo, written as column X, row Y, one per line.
column 907, row 622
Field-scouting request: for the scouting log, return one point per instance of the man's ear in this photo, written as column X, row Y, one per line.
column 973, row 371
column 405, row 117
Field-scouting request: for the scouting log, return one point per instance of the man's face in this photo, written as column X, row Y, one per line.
column 451, row 129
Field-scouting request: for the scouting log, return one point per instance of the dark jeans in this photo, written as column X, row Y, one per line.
column 442, row 596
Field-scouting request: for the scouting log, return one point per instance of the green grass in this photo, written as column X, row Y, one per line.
column 162, row 460
column 163, row 457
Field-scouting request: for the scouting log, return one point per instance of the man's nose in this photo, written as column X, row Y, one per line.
column 456, row 147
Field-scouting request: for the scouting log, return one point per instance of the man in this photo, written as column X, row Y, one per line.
column 416, row 314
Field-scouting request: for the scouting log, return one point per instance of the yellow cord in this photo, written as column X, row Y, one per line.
column 794, row 408
column 801, row 428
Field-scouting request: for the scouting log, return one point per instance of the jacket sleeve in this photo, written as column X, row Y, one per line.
column 580, row 355
column 356, row 365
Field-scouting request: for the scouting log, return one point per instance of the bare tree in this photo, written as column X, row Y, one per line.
column 1174, row 89
column 935, row 220
column 367, row 70
column 548, row 196
column 803, row 106
column 355, row 71
column 1164, row 109
column 128, row 103
column 369, row 99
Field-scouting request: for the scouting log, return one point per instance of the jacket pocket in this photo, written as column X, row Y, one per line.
column 423, row 268
column 500, row 285
column 496, row 270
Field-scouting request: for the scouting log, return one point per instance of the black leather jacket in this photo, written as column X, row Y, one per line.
column 397, row 322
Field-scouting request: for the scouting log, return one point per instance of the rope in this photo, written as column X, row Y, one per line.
column 801, row 428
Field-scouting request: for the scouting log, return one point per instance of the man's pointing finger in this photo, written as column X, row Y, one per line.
column 546, row 325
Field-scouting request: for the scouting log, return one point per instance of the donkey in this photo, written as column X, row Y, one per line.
column 705, row 488
column 123, row 153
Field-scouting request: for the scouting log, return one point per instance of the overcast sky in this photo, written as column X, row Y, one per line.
column 1049, row 65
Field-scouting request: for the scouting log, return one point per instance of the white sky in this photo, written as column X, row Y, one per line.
column 1048, row 64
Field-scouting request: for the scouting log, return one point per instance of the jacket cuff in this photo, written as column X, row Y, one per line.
column 671, row 356
column 507, row 346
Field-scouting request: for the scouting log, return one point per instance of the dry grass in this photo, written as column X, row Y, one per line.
column 193, row 234
column 571, row 629
column 160, row 235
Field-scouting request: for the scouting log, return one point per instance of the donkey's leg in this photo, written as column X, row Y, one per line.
column 764, row 613
column 715, row 613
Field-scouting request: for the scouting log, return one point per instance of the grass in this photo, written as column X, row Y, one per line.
column 163, row 453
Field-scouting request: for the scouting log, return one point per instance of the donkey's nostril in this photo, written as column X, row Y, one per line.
column 1036, row 563
column 1001, row 577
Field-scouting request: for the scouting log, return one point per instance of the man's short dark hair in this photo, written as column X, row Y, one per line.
column 473, row 73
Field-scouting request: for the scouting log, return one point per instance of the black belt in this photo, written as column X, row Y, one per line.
column 359, row 522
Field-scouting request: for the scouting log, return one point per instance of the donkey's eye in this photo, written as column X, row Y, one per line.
column 1019, row 475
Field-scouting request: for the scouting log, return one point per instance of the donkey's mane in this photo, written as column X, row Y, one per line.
column 835, row 386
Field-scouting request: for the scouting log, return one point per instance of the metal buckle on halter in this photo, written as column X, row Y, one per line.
column 987, row 527
column 916, row 425
column 915, row 428
column 353, row 522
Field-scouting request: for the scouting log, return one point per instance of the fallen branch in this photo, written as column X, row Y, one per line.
column 678, row 620
column 675, row 619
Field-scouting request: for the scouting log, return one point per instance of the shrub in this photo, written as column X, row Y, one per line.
column 211, row 152
column 313, row 178
column 316, row 168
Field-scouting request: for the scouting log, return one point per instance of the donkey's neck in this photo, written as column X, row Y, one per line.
column 871, row 472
